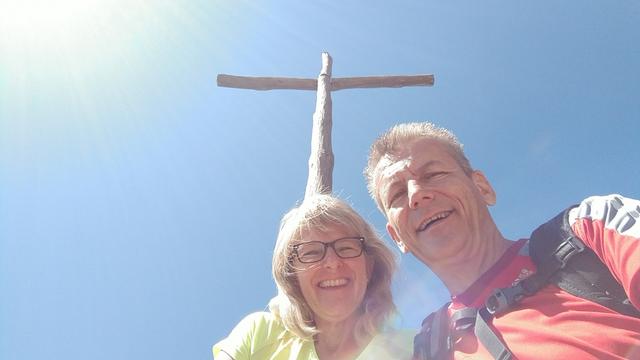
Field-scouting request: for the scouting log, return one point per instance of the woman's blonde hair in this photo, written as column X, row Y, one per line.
column 324, row 213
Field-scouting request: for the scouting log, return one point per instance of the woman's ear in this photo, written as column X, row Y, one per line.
column 370, row 263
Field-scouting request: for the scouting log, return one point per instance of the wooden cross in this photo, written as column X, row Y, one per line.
column 321, row 159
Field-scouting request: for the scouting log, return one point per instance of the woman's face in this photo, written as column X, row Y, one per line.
column 333, row 287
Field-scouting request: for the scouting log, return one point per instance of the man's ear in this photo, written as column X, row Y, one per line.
column 394, row 235
column 484, row 187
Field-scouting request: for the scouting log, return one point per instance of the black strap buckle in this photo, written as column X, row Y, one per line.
column 463, row 319
column 568, row 249
column 502, row 299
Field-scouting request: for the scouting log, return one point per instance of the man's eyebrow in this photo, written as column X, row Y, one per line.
column 392, row 182
column 427, row 165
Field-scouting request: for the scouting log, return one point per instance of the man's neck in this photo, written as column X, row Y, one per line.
column 459, row 274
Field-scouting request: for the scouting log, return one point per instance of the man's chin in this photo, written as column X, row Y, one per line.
column 431, row 248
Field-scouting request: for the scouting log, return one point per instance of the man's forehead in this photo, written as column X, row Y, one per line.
column 389, row 166
column 402, row 163
column 390, row 170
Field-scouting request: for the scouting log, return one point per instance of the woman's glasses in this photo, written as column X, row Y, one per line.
column 314, row 251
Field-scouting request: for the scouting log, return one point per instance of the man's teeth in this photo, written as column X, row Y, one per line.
column 430, row 220
column 333, row 283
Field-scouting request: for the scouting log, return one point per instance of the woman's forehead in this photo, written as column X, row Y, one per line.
column 326, row 233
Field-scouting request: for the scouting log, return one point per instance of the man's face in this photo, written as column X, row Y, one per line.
column 434, row 209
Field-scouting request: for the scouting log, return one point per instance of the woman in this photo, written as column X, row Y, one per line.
column 333, row 275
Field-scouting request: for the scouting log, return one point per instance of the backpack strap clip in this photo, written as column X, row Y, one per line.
column 502, row 299
column 463, row 319
column 568, row 249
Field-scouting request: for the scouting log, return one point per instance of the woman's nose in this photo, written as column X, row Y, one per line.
column 331, row 259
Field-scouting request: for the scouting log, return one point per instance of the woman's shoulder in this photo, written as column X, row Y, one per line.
column 263, row 323
column 260, row 318
column 262, row 335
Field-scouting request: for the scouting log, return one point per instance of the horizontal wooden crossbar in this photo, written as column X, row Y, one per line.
column 288, row 83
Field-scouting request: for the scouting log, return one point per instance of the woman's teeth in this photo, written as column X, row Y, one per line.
column 332, row 283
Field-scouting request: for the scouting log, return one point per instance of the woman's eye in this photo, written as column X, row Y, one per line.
column 346, row 248
column 310, row 252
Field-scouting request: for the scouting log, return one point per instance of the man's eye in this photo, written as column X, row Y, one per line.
column 435, row 175
column 396, row 196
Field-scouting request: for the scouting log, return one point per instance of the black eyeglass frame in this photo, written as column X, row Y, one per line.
column 332, row 245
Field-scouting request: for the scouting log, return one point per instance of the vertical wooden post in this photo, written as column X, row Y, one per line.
column 321, row 158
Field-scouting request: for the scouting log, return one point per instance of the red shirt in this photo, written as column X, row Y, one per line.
column 553, row 324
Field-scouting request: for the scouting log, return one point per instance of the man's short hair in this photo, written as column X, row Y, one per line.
column 391, row 142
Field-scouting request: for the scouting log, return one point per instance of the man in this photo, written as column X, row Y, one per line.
column 436, row 206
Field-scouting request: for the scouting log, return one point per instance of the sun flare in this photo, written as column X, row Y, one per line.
column 32, row 19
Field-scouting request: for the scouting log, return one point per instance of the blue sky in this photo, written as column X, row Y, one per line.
column 139, row 203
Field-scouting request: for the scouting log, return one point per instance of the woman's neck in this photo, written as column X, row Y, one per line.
column 337, row 340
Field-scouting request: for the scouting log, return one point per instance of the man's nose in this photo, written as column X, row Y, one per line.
column 418, row 194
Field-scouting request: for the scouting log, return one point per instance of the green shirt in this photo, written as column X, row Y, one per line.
column 261, row 336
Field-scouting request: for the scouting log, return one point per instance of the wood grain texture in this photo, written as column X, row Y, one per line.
column 320, row 178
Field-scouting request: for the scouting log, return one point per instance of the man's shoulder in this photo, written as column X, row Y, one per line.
column 614, row 211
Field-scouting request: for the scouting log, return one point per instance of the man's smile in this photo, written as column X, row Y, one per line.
column 433, row 219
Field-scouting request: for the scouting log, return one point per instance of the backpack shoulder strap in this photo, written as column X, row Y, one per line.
column 488, row 337
column 553, row 244
column 433, row 340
